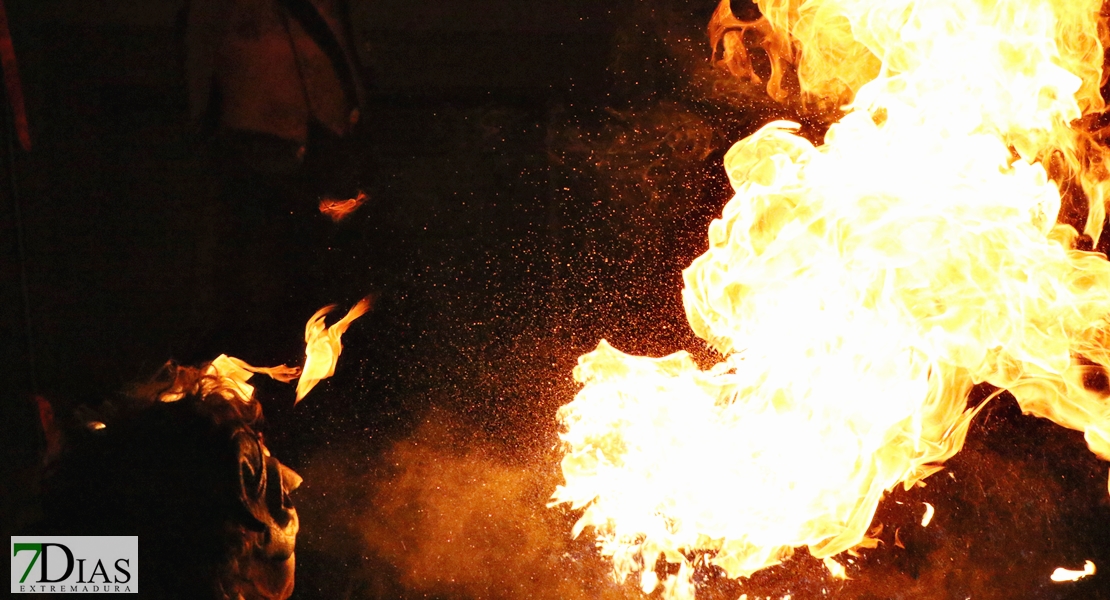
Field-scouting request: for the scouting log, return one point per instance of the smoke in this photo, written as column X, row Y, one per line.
column 450, row 512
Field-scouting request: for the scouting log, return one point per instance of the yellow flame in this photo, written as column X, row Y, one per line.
column 1061, row 574
column 836, row 569
column 928, row 516
column 225, row 375
column 323, row 346
column 858, row 290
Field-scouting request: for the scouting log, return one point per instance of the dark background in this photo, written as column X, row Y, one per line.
column 542, row 173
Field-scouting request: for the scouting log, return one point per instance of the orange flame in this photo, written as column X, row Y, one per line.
column 322, row 345
column 927, row 518
column 337, row 210
column 857, row 290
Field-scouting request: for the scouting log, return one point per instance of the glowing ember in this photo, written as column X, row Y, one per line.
column 337, row 209
column 859, row 289
column 928, row 517
column 322, row 345
column 1062, row 574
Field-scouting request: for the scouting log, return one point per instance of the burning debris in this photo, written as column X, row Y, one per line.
column 1061, row 574
column 180, row 461
column 322, row 350
column 227, row 376
column 858, row 290
column 339, row 209
column 927, row 518
column 836, row 569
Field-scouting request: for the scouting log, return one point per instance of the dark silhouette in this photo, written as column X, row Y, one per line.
column 180, row 462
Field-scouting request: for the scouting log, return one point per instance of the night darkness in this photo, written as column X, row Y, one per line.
column 539, row 174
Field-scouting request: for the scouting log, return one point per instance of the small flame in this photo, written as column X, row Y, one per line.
column 236, row 372
column 337, row 209
column 1061, row 574
column 322, row 345
column 928, row 518
column 836, row 569
column 228, row 375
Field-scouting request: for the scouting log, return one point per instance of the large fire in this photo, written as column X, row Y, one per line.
column 857, row 290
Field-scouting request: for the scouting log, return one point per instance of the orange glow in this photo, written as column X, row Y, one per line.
column 337, row 210
column 322, row 345
column 857, row 290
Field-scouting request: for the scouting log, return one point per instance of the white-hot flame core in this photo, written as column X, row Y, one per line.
column 1061, row 574
column 928, row 516
column 857, row 290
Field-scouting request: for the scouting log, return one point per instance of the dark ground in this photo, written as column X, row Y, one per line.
column 542, row 174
